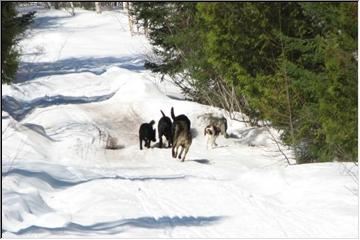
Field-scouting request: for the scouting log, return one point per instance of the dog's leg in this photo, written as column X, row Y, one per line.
column 169, row 141
column 177, row 151
column 182, row 149
column 140, row 140
column 186, row 151
column 173, row 151
column 160, row 141
column 213, row 144
column 208, row 141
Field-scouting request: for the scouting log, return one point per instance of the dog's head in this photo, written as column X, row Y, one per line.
column 212, row 130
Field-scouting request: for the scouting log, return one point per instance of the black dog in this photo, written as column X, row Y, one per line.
column 164, row 128
column 181, row 135
column 147, row 133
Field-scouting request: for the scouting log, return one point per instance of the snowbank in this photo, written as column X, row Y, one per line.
column 82, row 81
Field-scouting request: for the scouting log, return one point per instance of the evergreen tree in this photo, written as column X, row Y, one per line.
column 167, row 24
column 277, row 56
column 12, row 29
column 292, row 65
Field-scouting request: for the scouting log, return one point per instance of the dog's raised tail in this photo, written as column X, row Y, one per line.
column 163, row 113
column 172, row 113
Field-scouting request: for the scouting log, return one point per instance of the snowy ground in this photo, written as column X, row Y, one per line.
column 82, row 80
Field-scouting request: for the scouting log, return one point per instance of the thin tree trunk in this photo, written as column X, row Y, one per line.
column 72, row 9
column 288, row 99
column 98, row 7
column 146, row 31
column 131, row 22
column 291, row 125
column 48, row 4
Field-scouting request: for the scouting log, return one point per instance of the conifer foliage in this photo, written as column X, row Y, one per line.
column 292, row 65
column 12, row 28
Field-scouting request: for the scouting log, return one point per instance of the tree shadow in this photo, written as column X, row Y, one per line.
column 119, row 226
column 31, row 70
column 57, row 183
column 250, row 136
column 48, row 22
column 38, row 129
column 18, row 109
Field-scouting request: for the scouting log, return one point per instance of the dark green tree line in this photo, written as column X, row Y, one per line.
column 12, row 29
column 292, row 65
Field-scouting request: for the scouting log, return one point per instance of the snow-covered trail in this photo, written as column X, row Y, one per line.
column 82, row 80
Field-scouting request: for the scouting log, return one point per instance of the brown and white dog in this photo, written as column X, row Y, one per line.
column 218, row 121
column 212, row 132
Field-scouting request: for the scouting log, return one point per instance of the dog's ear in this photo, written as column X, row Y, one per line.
column 162, row 113
column 172, row 113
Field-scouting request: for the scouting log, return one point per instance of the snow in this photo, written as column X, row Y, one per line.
column 82, row 80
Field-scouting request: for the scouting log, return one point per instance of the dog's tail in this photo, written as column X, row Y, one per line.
column 172, row 113
column 162, row 113
column 152, row 122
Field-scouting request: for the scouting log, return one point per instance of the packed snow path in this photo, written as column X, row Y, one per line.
column 82, row 82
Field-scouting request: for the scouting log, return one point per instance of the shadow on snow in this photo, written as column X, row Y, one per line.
column 119, row 226
column 61, row 183
column 31, row 70
column 19, row 109
column 49, row 22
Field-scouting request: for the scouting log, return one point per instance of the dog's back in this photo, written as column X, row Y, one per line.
column 180, row 128
column 165, row 128
column 182, row 137
column 181, row 134
column 180, row 117
column 221, row 123
column 217, row 121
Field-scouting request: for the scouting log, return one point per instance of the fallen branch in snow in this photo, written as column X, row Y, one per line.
column 350, row 172
column 17, row 153
column 353, row 191
column 108, row 141
column 277, row 144
column 112, row 143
